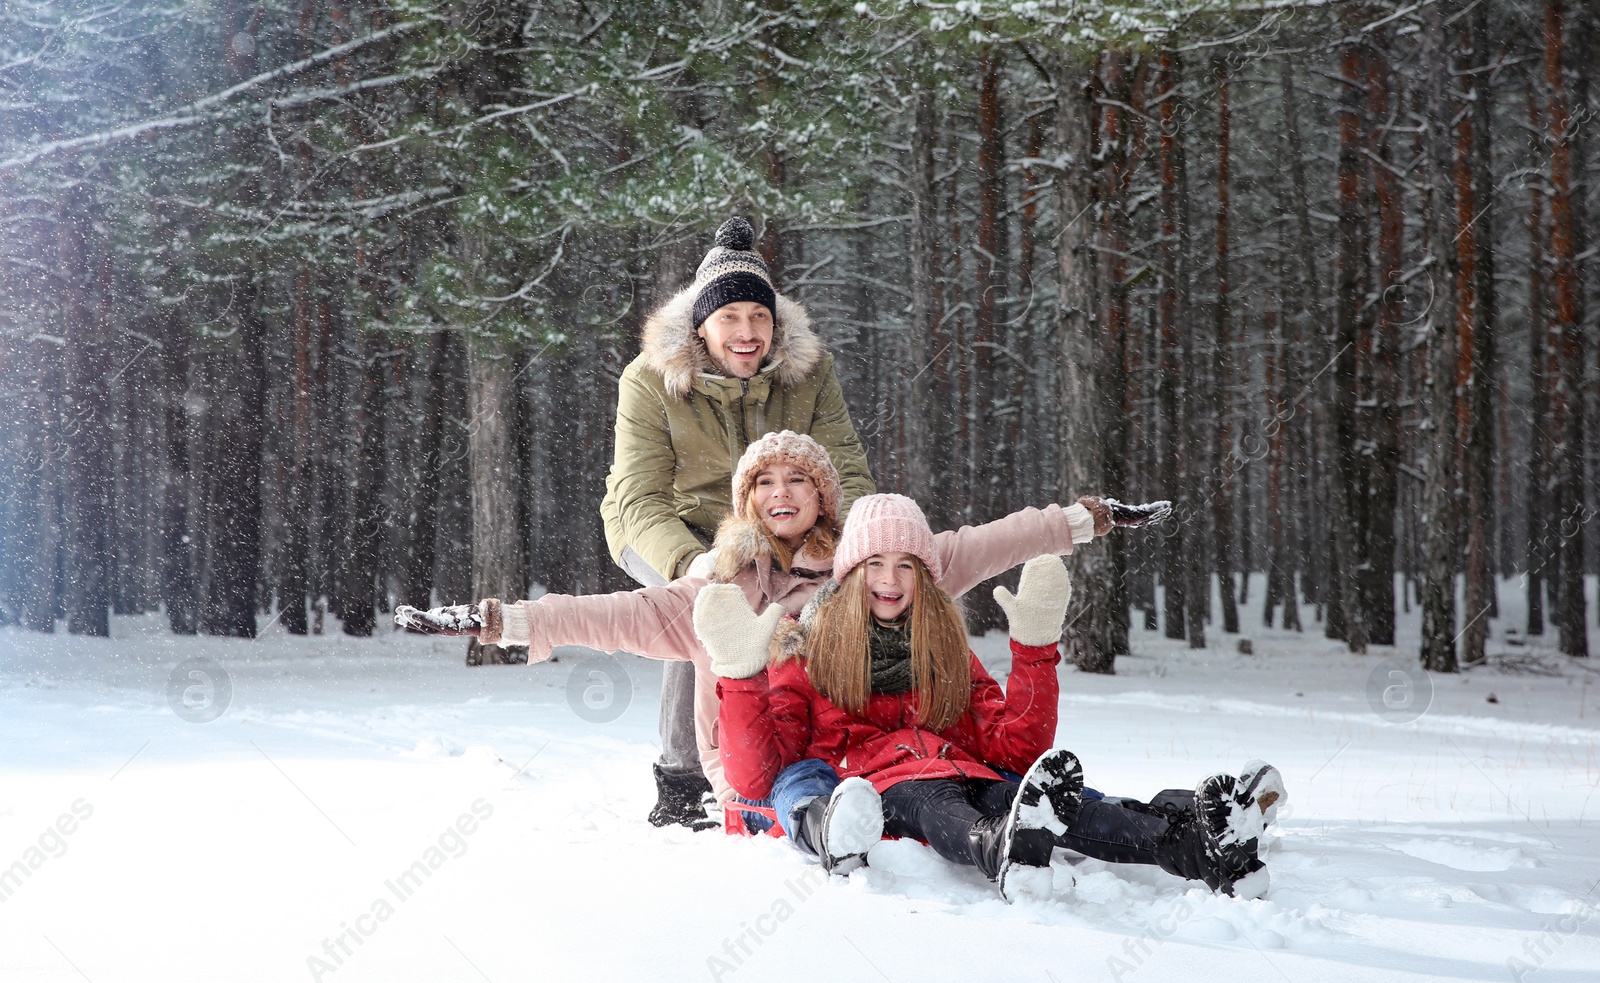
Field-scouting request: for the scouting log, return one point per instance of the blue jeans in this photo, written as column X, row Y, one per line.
column 801, row 780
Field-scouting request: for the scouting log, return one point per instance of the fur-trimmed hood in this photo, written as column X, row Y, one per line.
column 789, row 640
column 673, row 349
column 741, row 543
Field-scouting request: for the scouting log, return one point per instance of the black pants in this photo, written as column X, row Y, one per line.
column 942, row 811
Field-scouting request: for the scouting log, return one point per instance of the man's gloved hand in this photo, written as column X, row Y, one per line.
column 1039, row 606
column 736, row 638
column 703, row 565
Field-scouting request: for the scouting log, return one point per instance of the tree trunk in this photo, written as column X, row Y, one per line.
column 1470, row 429
column 364, row 540
column 1566, row 412
column 1539, row 503
column 295, row 585
column 1384, row 469
column 39, row 533
column 991, row 459
column 426, row 480
column 926, row 347
column 496, row 546
column 1345, row 616
column 1088, row 408
column 1441, row 546
column 1485, row 514
column 1298, row 334
column 1222, row 366
column 235, row 503
column 1174, row 573
column 178, row 582
column 87, row 423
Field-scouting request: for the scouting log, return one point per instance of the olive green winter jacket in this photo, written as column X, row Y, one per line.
column 681, row 429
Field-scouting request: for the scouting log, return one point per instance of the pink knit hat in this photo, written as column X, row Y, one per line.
column 885, row 524
column 796, row 450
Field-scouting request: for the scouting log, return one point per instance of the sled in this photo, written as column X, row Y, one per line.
column 733, row 822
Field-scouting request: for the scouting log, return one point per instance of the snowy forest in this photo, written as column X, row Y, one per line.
column 309, row 309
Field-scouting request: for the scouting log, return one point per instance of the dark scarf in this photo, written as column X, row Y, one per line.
column 891, row 657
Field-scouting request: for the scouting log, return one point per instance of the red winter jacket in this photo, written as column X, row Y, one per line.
column 776, row 718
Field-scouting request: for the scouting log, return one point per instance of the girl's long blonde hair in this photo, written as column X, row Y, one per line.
column 840, row 658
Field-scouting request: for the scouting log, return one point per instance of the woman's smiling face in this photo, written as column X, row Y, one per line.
column 787, row 501
column 891, row 584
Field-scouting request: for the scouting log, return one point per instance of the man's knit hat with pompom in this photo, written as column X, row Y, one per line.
column 731, row 272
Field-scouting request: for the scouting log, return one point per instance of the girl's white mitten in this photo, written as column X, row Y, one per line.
column 736, row 638
column 1039, row 606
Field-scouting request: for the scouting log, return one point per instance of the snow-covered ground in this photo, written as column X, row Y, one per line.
column 374, row 810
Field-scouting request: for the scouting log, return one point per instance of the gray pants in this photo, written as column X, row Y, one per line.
column 680, row 753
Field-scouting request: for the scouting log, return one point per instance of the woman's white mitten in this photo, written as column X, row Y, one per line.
column 736, row 638
column 1039, row 606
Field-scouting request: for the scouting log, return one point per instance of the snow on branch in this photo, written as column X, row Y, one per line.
column 203, row 110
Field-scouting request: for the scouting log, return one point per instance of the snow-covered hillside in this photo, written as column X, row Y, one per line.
column 374, row 810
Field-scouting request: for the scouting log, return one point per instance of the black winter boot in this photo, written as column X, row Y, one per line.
column 1259, row 784
column 842, row 827
column 1208, row 846
column 1232, row 820
column 1047, row 802
column 680, row 800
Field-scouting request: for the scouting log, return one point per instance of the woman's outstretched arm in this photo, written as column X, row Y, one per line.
column 655, row 622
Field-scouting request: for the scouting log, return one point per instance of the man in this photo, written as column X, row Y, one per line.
column 724, row 362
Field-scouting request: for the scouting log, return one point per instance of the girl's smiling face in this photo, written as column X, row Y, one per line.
column 891, row 584
column 787, row 501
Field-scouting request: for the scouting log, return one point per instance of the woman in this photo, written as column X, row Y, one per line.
column 876, row 680
column 777, row 548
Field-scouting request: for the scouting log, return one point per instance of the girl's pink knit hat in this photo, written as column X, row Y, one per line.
column 885, row 524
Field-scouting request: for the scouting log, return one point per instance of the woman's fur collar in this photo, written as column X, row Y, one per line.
column 739, row 543
column 790, row 638
column 672, row 348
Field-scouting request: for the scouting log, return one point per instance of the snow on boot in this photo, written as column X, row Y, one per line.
column 1231, row 823
column 841, row 828
column 1014, row 850
column 1264, row 784
column 680, row 800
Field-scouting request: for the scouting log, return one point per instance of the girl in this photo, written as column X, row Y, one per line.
column 887, row 693
column 776, row 549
